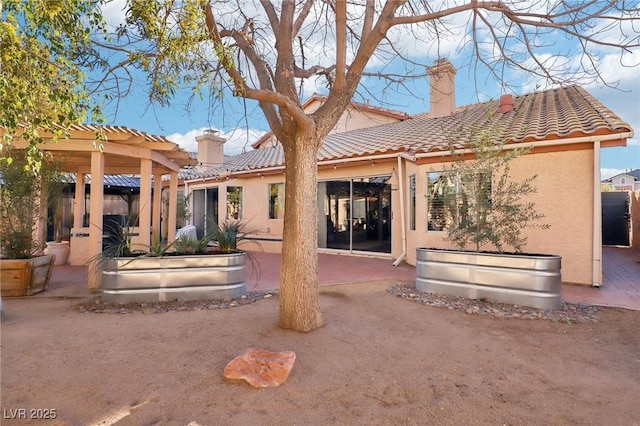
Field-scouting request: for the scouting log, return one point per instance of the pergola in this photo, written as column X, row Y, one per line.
column 122, row 151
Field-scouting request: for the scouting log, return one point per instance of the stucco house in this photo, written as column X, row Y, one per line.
column 627, row 181
column 378, row 183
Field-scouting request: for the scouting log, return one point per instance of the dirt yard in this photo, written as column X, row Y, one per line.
column 380, row 360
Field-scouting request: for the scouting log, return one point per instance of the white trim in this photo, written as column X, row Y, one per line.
column 403, row 230
column 535, row 144
column 596, row 277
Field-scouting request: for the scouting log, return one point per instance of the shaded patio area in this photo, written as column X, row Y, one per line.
column 621, row 277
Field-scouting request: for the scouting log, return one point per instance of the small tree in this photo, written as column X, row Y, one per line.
column 23, row 197
column 484, row 210
column 46, row 54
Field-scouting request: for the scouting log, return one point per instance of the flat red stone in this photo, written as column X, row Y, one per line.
column 260, row 368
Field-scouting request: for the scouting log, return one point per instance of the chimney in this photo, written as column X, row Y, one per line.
column 506, row 104
column 443, row 91
column 210, row 148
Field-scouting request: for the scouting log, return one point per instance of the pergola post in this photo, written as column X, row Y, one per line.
column 96, row 209
column 78, row 202
column 157, row 205
column 144, row 224
column 173, row 206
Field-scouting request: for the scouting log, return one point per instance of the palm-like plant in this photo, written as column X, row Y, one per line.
column 229, row 234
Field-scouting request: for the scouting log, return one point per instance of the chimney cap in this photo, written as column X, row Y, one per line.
column 440, row 66
column 506, row 103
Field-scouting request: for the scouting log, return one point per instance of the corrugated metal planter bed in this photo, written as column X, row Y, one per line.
column 516, row 279
column 167, row 278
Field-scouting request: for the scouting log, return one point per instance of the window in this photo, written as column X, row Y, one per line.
column 448, row 198
column 412, row 202
column 234, row 202
column 276, row 201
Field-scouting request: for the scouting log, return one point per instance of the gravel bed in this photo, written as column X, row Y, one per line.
column 99, row 307
column 570, row 312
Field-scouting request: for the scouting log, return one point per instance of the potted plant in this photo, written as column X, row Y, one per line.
column 24, row 270
column 55, row 194
column 484, row 207
column 186, row 269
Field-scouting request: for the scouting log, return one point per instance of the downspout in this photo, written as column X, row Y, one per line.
column 402, row 219
column 597, row 218
column 186, row 194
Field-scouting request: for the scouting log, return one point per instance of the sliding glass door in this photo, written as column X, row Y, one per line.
column 355, row 214
column 205, row 207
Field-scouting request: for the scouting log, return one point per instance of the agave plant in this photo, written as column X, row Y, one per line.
column 229, row 234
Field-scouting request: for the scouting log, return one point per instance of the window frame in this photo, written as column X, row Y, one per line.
column 240, row 209
column 273, row 210
column 412, row 197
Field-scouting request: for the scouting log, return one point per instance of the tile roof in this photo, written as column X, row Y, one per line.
column 547, row 115
column 552, row 114
column 362, row 107
column 109, row 180
column 633, row 173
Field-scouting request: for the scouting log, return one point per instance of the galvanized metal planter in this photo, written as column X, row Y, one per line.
column 184, row 278
column 516, row 279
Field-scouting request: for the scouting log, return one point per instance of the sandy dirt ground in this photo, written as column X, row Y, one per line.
column 380, row 360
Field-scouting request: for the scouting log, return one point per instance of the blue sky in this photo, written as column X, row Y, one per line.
column 242, row 122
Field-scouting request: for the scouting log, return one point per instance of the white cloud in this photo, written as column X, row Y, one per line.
column 238, row 140
column 113, row 12
column 607, row 173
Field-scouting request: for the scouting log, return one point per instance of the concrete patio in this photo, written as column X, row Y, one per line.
column 620, row 287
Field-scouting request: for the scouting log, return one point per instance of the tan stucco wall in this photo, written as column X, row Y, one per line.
column 256, row 200
column 351, row 119
column 565, row 196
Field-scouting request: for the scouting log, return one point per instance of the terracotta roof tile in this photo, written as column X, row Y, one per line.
column 551, row 114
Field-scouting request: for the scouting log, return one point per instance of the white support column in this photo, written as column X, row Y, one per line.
column 173, row 206
column 157, row 205
column 96, row 209
column 145, row 203
column 597, row 218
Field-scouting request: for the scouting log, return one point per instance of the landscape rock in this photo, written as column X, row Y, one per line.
column 261, row 368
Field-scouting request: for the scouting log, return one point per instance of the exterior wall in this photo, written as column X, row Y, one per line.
column 255, row 206
column 567, row 208
column 351, row 119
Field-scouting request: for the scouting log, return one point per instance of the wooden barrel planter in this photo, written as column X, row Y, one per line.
column 167, row 278
column 24, row 277
column 516, row 279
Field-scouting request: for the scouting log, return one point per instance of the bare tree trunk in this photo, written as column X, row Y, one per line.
column 299, row 298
